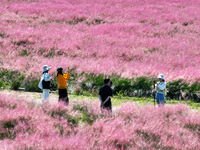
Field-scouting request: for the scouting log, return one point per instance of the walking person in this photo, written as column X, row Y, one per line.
column 160, row 90
column 45, row 83
column 62, row 85
column 105, row 94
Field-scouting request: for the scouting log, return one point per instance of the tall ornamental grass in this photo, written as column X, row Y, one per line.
column 130, row 38
column 81, row 125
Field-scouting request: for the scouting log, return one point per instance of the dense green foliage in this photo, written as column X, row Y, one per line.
column 89, row 84
column 11, row 79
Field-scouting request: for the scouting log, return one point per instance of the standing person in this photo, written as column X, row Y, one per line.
column 62, row 84
column 105, row 94
column 45, row 83
column 160, row 90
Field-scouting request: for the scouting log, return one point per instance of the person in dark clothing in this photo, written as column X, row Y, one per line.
column 105, row 94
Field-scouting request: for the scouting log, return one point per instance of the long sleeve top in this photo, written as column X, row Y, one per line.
column 62, row 80
column 161, row 87
column 46, row 77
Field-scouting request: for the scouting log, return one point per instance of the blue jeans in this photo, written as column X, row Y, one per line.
column 160, row 98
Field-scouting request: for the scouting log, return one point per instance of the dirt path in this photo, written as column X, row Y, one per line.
column 36, row 97
column 31, row 96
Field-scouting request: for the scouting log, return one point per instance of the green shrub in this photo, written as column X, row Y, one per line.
column 32, row 85
column 194, row 88
column 2, row 83
column 143, row 86
column 175, row 87
column 132, row 87
column 54, row 84
column 11, row 79
column 16, row 83
column 143, row 83
column 122, row 86
column 192, row 91
column 92, row 82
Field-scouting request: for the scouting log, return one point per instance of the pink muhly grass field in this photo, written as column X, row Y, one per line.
column 27, row 125
column 133, row 37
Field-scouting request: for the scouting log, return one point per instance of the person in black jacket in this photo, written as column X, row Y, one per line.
column 105, row 94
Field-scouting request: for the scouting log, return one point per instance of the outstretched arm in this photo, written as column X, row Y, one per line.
column 66, row 76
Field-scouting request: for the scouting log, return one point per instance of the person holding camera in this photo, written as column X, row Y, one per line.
column 160, row 90
column 62, row 84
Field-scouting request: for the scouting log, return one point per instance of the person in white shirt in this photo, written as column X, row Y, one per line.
column 160, row 90
column 45, row 83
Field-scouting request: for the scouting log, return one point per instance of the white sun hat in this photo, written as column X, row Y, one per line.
column 161, row 76
column 46, row 68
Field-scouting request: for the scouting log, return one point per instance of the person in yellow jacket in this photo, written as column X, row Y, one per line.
column 62, row 85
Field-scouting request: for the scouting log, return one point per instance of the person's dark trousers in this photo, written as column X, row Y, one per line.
column 106, row 107
column 63, row 96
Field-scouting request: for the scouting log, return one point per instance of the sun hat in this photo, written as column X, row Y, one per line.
column 46, row 68
column 161, row 76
